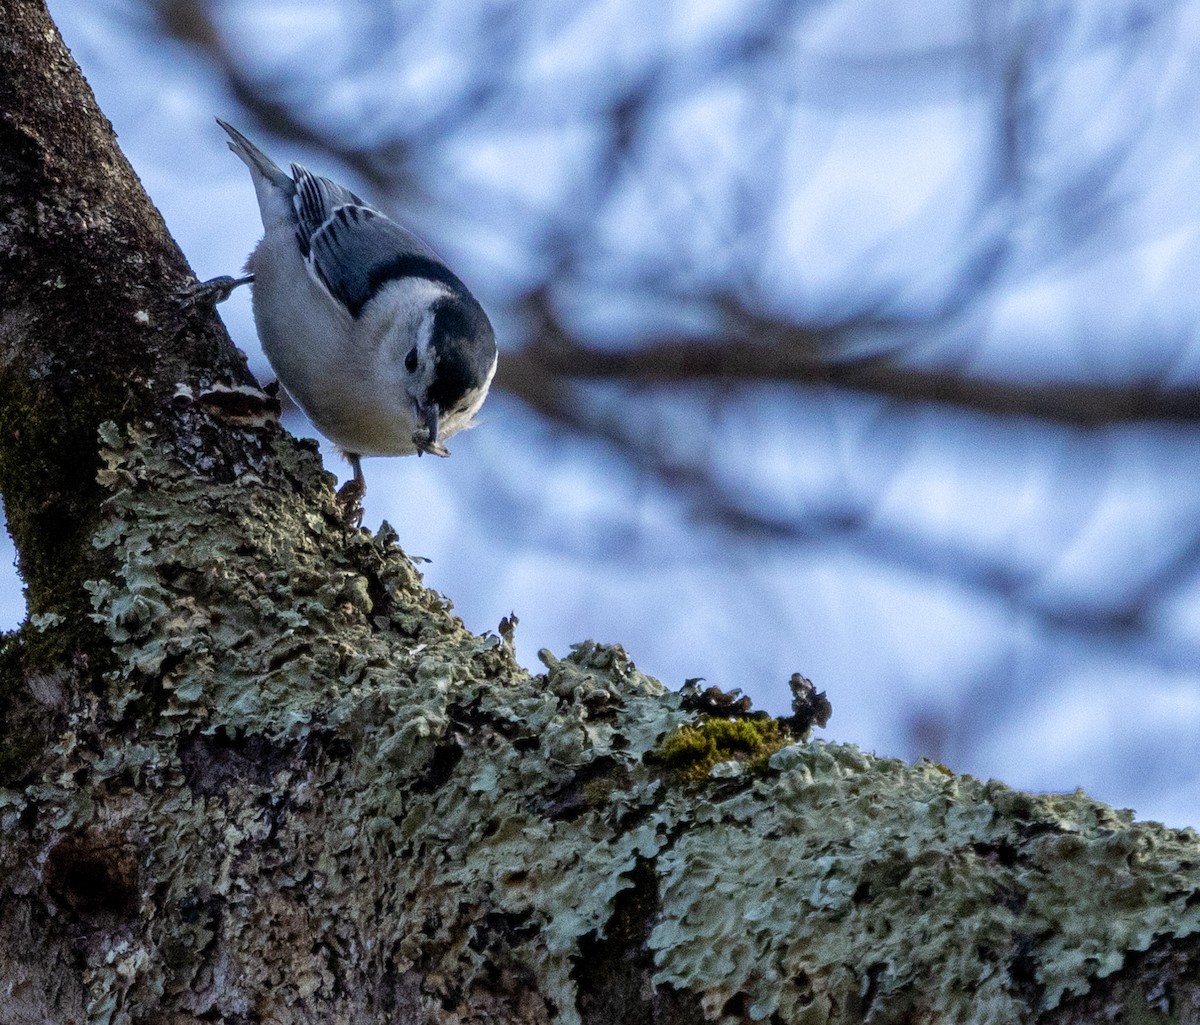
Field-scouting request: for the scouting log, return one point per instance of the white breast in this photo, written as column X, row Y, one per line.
column 331, row 365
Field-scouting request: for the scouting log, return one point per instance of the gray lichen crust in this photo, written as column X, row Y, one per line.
column 310, row 795
column 858, row 884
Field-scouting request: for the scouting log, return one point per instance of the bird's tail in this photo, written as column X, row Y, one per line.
column 273, row 185
column 256, row 159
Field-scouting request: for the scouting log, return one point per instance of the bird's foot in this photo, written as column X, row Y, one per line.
column 350, row 495
column 349, row 500
column 205, row 295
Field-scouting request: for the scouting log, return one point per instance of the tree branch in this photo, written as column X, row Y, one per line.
column 756, row 348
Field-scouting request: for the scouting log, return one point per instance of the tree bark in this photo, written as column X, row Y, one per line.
column 253, row 771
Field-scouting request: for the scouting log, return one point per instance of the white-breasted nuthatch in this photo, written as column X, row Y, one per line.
column 372, row 335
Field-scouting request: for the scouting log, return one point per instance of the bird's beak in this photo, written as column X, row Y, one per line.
column 426, row 436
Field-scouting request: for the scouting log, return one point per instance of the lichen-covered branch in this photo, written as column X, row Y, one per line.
column 306, row 793
column 271, row 778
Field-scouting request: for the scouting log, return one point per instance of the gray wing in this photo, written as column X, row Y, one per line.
column 351, row 249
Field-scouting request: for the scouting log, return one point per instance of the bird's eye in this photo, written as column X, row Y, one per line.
column 410, row 361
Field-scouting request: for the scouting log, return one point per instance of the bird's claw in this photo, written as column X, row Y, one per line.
column 349, row 500
column 208, row 294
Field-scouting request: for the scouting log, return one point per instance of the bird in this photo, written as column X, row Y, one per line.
column 379, row 343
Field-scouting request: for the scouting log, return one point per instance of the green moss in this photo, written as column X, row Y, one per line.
column 692, row 750
column 19, row 718
column 48, row 463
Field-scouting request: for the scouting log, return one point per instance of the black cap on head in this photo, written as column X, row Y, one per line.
column 464, row 347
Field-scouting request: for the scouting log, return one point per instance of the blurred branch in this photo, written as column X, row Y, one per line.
column 760, row 349
column 552, row 394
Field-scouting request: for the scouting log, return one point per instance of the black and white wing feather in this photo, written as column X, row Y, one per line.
column 351, row 249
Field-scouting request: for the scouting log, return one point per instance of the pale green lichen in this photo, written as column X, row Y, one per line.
column 344, row 802
column 861, row 879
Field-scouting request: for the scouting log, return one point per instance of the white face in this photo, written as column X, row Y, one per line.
column 412, row 331
column 396, row 328
column 419, row 365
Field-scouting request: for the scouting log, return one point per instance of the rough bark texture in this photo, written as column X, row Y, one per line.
column 254, row 771
column 88, row 332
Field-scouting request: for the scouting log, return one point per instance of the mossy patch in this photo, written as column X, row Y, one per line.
column 20, row 739
column 691, row 751
column 48, row 465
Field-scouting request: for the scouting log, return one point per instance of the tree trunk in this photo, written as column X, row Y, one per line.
column 251, row 770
